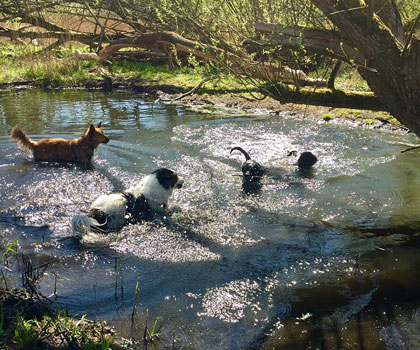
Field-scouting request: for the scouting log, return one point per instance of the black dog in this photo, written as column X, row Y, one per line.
column 251, row 170
column 306, row 159
column 252, row 173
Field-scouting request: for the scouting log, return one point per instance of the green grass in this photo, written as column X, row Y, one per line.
column 26, row 63
column 59, row 68
column 22, row 333
column 327, row 117
column 185, row 78
column 24, row 337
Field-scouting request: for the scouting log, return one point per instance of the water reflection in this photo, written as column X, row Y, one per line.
column 308, row 260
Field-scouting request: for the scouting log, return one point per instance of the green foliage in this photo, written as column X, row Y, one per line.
column 24, row 336
column 63, row 51
column 103, row 342
column 327, row 117
column 28, row 332
column 11, row 249
column 152, row 336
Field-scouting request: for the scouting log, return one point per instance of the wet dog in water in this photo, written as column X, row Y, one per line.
column 306, row 159
column 251, row 170
column 112, row 211
column 61, row 150
column 252, row 173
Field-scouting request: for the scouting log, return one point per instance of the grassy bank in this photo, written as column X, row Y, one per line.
column 59, row 68
column 29, row 320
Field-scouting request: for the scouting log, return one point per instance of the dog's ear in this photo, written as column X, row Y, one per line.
column 91, row 129
column 99, row 125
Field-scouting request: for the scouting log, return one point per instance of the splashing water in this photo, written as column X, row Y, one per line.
column 307, row 253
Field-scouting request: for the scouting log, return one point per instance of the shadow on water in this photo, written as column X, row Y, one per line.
column 319, row 259
column 350, row 314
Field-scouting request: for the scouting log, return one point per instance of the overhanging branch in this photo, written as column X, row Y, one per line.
column 236, row 63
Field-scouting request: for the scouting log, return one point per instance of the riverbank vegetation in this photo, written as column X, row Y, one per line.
column 29, row 320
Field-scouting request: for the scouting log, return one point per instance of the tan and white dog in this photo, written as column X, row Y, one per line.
column 78, row 150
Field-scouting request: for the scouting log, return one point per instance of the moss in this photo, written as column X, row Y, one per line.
column 327, row 117
column 350, row 113
column 325, row 97
column 369, row 121
column 366, row 117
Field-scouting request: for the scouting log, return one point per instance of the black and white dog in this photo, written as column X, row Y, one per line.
column 111, row 212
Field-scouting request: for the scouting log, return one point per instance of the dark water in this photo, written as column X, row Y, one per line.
column 322, row 260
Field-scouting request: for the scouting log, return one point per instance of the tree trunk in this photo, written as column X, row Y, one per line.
column 333, row 75
column 391, row 72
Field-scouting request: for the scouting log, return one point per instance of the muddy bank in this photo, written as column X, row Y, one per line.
column 269, row 106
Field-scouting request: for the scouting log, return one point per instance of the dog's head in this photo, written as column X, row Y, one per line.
column 168, row 179
column 306, row 160
column 157, row 187
column 95, row 134
column 252, row 170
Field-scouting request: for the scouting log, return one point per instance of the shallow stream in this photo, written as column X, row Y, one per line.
column 325, row 259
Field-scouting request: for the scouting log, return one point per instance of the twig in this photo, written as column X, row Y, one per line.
column 195, row 88
column 133, row 314
column 347, row 10
column 254, row 98
column 410, row 149
column 145, row 332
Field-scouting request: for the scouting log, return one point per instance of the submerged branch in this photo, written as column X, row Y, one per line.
column 410, row 149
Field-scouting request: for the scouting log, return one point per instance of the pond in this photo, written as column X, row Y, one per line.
column 325, row 259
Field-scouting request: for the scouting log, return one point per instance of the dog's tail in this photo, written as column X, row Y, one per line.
column 82, row 225
column 23, row 141
column 240, row 149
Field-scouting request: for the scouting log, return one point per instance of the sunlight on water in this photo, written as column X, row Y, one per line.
column 162, row 244
column 308, row 251
column 230, row 302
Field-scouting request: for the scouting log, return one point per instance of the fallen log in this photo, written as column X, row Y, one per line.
column 237, row 62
